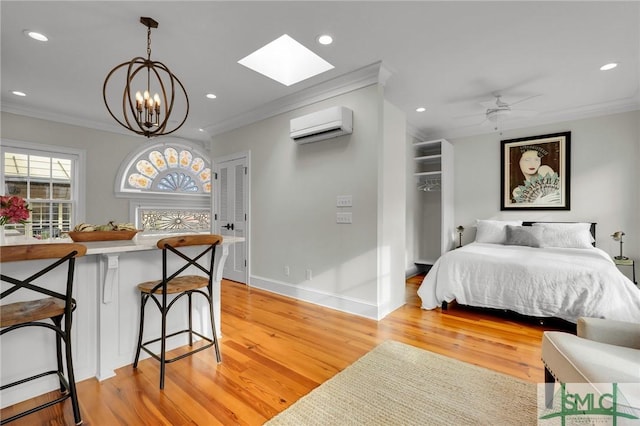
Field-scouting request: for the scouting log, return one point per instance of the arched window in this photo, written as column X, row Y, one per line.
column 173, row 167
column 170, row 184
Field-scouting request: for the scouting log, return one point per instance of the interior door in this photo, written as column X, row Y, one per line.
column 230, row 214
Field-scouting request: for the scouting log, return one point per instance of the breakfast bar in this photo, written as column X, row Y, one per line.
column 106, row 318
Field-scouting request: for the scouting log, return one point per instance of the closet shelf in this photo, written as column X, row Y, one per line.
column 429, row 158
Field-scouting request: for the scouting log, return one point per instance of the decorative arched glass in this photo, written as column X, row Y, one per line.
column 166, row 168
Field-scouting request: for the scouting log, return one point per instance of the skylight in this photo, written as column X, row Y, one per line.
column 286, row 61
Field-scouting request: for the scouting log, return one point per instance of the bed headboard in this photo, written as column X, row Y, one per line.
column 592, row 229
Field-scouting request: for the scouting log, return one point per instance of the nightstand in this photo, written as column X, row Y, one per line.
column 628, row 262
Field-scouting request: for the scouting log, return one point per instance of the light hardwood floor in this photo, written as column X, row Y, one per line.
column 277, row 349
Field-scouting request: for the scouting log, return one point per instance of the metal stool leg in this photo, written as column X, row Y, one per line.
column 71, row 375
column 163, row 343
column 57, row 321
column 190, row 319
column 214, row 334
column 143, row 302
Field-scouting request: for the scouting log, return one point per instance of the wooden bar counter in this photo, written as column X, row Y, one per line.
column 105, row 322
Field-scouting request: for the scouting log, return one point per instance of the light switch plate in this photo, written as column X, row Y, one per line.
column 343, row 217
column 344, row 201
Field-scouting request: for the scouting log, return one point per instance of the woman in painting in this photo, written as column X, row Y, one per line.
column 541, row 183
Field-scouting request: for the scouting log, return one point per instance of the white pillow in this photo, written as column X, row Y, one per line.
column 493, row 231
column 524, row 236
column 566, row 235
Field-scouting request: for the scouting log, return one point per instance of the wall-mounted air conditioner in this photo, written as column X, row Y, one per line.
column 320, row 125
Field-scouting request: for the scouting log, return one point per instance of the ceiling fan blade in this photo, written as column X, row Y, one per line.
column 524, row 99
column 466, row 116
column 524, row 112
column 489, row 104
column 493, row 102
column 469, row 119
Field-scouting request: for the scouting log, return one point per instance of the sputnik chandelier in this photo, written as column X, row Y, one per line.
column 143, row 113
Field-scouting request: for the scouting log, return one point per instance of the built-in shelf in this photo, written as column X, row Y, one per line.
column 429, row 158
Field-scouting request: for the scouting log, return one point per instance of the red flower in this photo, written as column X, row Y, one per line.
column 13, row 210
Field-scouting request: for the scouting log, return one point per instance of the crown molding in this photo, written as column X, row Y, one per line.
column 375, row 73
column 417, row 133
column 11, row 108
column 559, row 116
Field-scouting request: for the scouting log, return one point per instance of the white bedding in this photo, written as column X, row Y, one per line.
column 542, row 282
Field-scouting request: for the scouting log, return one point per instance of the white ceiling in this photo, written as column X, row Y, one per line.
column 446, row 56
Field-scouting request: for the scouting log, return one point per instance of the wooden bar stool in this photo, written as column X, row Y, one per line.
column 57, row 308
column 180, row 283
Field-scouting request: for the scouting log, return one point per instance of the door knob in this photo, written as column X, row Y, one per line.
column 228, row 226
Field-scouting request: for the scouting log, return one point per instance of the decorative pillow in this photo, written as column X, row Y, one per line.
column 493, row 231
column 523, row 236
column 566, row 235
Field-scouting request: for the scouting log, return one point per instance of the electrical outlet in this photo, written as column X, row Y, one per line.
column 287, row 271
column 343, row 217
column 309, row 275
column 344, row 201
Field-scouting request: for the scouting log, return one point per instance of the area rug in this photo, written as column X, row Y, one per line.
column 398, row 384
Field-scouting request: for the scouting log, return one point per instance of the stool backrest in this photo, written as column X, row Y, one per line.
column 40, row 251
column 174, row 244
column 190, row 240
column 64, row 253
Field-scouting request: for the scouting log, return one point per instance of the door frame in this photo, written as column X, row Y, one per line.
column 216, row 208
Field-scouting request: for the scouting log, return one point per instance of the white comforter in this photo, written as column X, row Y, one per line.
column 550, row 282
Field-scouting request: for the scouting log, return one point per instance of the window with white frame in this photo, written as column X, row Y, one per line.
column 46, row 177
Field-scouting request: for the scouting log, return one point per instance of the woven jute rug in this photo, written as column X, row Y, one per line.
column 398, row 384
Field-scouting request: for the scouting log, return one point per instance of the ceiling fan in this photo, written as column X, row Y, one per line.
column 498, row 110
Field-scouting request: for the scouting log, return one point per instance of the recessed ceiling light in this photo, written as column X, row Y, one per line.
column 18, row 93
column 608, row 67
column 211, row 96
column 286, row 61
column 325, row 39
column 421, row 109
column 35, row 35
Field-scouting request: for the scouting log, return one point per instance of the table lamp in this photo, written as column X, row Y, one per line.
column 617, row 236
column 460, row 230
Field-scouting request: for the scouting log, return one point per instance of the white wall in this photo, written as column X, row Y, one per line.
column 391, row 214
column 413, row 212
column 605, row 172
column 293, row 205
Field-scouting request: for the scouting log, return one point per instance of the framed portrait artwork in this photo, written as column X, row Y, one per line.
column 535, row 173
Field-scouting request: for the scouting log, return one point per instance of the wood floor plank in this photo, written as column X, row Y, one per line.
column 276, row 349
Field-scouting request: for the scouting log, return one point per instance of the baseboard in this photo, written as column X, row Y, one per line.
column 328, row 300
column 411, row 271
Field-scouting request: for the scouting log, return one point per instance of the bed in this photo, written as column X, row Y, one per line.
column 538, row 274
